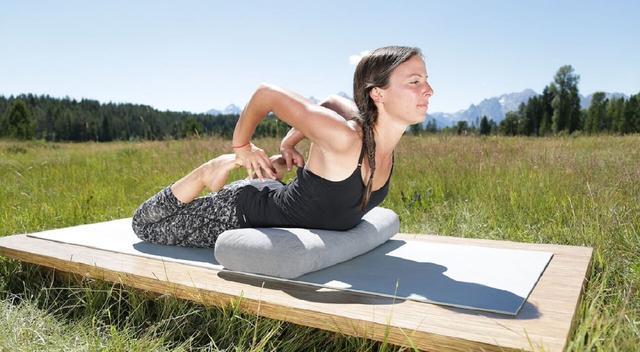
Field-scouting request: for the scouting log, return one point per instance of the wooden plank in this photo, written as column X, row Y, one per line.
column 544, row 322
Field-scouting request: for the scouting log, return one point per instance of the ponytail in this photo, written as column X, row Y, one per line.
column 374, row 70
column 369, row 144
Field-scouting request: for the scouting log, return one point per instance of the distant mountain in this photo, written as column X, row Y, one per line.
column 585, row 102
column 231, row 109
column 496, row 108
column 213, row 112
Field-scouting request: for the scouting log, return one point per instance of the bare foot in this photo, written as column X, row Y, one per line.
column 214, row 173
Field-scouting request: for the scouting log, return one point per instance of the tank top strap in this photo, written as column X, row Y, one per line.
column 393, row 162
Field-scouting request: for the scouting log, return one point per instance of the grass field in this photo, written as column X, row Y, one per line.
column 577, row 191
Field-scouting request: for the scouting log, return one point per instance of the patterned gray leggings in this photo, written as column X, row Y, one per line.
column 163, row 219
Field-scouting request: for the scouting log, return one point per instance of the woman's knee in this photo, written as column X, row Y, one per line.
column 138, row 224
column 151, row 233
column 144, row 225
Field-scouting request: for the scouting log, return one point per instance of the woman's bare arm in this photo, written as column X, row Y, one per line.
column 214, row 173
column 323, row 126
column 341, row 105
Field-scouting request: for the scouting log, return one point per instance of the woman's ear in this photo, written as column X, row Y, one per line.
column 376, row 94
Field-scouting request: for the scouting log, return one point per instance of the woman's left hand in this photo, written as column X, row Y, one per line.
column 254, row 159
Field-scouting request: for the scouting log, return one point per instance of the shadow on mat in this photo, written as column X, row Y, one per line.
column 203, row 256
column 377, row 272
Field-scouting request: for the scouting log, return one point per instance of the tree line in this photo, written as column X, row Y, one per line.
column 29, row 116
column 557, row 111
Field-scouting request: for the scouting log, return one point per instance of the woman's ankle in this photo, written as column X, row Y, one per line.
column 214, row 173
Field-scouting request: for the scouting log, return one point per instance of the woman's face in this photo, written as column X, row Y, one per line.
column 408, row 93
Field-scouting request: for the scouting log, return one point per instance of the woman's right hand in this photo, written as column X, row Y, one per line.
column 254, row 159
column 291, row 156
column 288, row 148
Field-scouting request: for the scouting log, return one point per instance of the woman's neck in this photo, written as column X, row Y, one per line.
column 387, row 133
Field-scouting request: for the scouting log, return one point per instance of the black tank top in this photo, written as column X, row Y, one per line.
column 309, row 201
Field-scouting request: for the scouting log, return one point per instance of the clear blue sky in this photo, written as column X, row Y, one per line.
column 198, row 55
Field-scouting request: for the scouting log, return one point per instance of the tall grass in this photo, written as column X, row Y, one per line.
column 578, row 191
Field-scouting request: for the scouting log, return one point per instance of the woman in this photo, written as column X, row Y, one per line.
column 335, row 188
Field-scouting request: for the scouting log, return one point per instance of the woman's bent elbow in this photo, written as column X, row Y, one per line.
column 262, row 97
column 264, row 87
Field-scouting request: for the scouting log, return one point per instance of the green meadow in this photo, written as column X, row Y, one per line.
column 563, row 190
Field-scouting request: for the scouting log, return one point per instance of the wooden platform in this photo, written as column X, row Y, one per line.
column 544, row 323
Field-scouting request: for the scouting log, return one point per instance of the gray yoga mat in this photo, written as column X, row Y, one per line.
column 464, row 276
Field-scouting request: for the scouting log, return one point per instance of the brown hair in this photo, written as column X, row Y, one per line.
column 374, row 70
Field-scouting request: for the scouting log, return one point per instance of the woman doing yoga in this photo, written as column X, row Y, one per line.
column 347, row 172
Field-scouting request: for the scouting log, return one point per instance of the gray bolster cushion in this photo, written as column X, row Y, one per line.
column 292, row 252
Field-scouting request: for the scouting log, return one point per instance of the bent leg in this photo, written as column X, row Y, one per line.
column 212, row 174
column 163, row 219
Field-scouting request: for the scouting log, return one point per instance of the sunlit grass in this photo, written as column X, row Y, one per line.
column 577, row 191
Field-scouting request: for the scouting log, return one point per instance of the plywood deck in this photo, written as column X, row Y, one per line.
column 544, row 322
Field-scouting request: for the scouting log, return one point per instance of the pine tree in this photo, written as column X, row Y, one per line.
column 191, row 127
column 596, row 113
column 105, row 130
column 575, row 113
column 634, row 112
column 509, row 126
column 431, row 126
column 485, row 128
column 462, row 127
column 18, row 122
column 629, row 111
column 547, row 111
column 615, row 114
column 494, row 127
column 533, row 113
column 416, row 129
column 566, row 101
column 523, row 123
